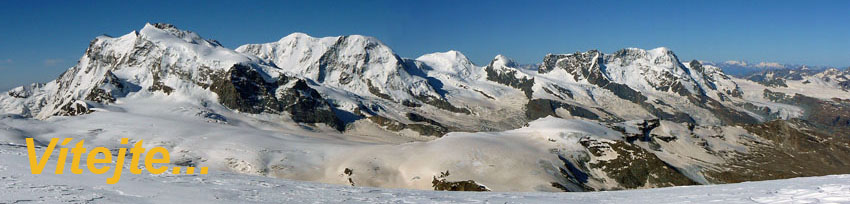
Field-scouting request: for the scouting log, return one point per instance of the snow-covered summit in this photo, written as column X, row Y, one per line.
column 501, row 60
column 161, row 32
column 451, row 62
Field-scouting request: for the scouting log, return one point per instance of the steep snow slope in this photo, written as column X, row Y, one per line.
column 358, row 64
column 156, row 57
column 18, row 185
column 160, row 61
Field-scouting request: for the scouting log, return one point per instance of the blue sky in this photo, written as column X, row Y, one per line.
column 41, row 39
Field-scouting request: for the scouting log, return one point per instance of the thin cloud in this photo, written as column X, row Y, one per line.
column 770, row 65
column 739, row 63
column 52, row 62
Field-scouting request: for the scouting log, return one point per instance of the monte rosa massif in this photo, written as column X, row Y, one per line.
column 348, row 110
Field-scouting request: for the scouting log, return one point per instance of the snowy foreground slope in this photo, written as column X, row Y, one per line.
column 17, row 185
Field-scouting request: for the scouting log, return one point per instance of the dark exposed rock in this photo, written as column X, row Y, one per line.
column 796, row 148
column 561, row 92
column 101, row 95
column 770, row 82
column 419, row 118
column 349, row 172
column 442, row 104
column 834, row 112
column 441, row 184
column 484, row 94
column 74, row 109
column 25, row 91
column 411, row 104
column 778, row 77
column 634, row 167
column 646, row 127
column 564, row 91
column 431, row 128
column 18, row 94
column 159, row 86
column 242, row 88
column 539, row 108
column 377, row 92
column 574, row 174
column 510, row 78
column 553, row 93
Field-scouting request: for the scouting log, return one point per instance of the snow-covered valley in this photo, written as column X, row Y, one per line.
column 17, row 185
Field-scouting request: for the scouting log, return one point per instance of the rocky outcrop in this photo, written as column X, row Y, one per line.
column 539, row 108
column 425, row 126
column 835, row 112
column 441, row 184
column 632, row 166
column 242, row 88
column 503, row 71
column 793, row 148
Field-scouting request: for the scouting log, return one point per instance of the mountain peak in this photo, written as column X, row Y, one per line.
column 168, row 33
column 295, row 35
column 363, row 38
column 659, row 56
column 661, row 50
column 652, row 53
column 451, row 56
column 451, row 62
column 504, row 61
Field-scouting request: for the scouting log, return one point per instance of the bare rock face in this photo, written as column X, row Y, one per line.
column 633, row 166
column 793, row 147
column 242, row 88
column 441, row 184
column 502, row 70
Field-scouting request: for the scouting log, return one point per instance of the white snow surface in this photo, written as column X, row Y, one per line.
column 270, row 145
column 18, row 185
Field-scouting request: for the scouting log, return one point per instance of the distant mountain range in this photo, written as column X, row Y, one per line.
column 349, row 110
column 743, row 68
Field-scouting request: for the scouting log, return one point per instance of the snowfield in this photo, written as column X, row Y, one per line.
column 17, row 185
column 515, row 160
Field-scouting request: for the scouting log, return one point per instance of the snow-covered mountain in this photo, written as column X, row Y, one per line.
column 348, row 110
column 361, row 65
column 832, row 77
column 743, row 68
column 160, row 61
